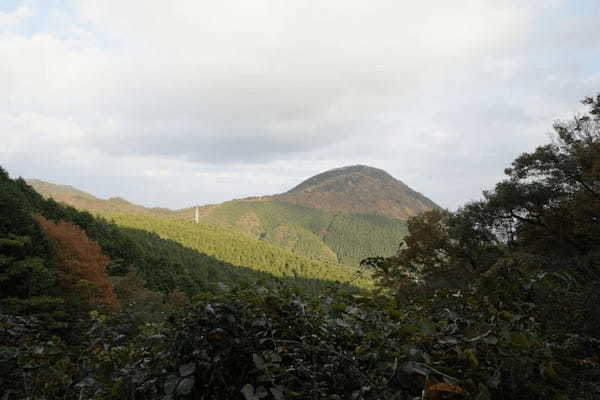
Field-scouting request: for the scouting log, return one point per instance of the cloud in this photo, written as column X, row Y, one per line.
column 442, row 95
column 233, row 82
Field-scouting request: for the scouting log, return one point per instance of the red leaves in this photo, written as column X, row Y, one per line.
column 81, row 264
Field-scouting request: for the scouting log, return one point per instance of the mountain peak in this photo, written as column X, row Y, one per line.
column 46, row 188
column 359, row 189
column 344, row 175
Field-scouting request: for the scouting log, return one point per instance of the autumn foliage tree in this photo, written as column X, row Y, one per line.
column 80, row 266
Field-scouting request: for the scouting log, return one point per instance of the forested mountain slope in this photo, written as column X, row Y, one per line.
column 358, row 214
column 186, row 256
column 347, row 238
column 85, row 201
column 359, row 189
column 237, row 249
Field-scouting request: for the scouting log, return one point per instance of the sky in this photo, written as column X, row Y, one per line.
column 175, row 104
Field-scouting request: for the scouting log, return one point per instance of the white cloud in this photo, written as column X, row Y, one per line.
column 442, row 94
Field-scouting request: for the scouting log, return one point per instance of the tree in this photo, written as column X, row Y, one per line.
column 26, row 281
column 80, row 265
column 547, row 210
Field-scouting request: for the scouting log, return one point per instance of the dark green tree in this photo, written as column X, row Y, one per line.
column 547, row 211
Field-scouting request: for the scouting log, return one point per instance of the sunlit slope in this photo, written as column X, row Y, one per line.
column 314, row 233
column 359, row 189
column 286, row 225
column 323, row 235
column 84, row 201
column 239, row 249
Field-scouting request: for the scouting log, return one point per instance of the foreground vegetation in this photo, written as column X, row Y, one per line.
column 497, row 300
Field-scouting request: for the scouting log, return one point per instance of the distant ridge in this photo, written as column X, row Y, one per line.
column 45, row 188
column 85, row 201
column 359, row 189
column 340, row 216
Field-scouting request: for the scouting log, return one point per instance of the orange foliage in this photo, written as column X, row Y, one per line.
column 78, row 258
column 442, row 391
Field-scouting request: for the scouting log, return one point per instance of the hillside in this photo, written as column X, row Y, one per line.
column 341, row 216
column 346, row 238
column 359, row 189
column 237, row 250
column 173, row 254
column 85, row 201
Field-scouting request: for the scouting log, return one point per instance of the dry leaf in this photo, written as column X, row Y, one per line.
column 440, row 391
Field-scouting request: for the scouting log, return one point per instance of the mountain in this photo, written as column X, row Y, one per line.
column 359, row 189
column 317, row 234
column 203, row 254
column 343, row 215
column 172, row 253
column 85, row 201
column 339, row 216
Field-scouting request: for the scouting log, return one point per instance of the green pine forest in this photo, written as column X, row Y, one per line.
column 214, row 247
column 345, row 238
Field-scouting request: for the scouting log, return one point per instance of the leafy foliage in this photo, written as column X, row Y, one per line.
column 27, row 279
column 80, row 265
column 253, row 341
column 528, row 253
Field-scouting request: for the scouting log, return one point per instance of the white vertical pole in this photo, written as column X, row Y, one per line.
column 197, row 216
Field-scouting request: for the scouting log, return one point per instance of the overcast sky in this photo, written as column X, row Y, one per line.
column 194, row 102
